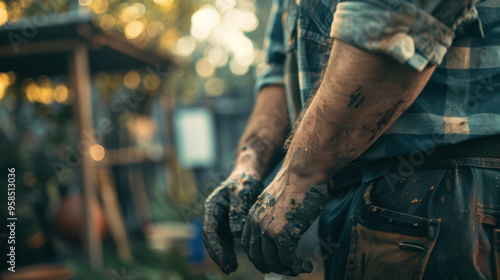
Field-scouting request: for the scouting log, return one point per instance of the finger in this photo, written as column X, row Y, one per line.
column 245, row 235
column 255, row 253
column 270, row 254
column 242, row 202
column 238, row 215
column 288, row 256
column 247, row 229
column 216, row 233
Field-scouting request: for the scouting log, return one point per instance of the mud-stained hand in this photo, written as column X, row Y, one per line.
column 275, row 225
column 225, row 213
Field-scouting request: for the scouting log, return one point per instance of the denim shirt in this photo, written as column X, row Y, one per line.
column 462, row 98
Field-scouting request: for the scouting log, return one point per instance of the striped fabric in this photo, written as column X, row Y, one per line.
column 460, row 102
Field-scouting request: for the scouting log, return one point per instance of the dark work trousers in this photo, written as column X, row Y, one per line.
column 423, row 224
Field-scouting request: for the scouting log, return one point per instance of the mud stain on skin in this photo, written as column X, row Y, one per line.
column 301, row 217
column 225, row 215
column 241, row 204
column 259, row 144
column 216, row 233
column 265, row 200
column 273, row 249
column 386, row 118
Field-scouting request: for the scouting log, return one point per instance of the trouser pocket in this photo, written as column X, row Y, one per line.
column 496, row 248
column 386, row 244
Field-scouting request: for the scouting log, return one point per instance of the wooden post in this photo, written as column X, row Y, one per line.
column 113, row 214
column 79, row 72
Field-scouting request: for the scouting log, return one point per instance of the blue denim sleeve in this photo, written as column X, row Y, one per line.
column 274, row 47
column 416, row 33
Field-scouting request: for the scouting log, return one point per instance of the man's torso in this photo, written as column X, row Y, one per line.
column 460, row 102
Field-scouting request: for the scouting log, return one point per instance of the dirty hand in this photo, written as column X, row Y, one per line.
column 275, row 225
column 225, row 213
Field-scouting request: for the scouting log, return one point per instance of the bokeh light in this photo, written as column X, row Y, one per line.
column 185, row 46
column 45, row 92
column 204, row 68
column 133, row 12
column 4, row 15
column 6, row 79
column 26, row 3
column 217, row 56
column 225, row 4
column 132, row 79
column 100, row 6
column 84, row 2
column 245, row 21
column 155, row 28
column 247, row 5
column 237, row 68
column 203, row 20
column 215, row 87
column 97, row 152
column 134, row 29
column 102, row 80
column 169, row 38
column 61, row 94
column 107, row 22
column 151, row 82
column 164, row 3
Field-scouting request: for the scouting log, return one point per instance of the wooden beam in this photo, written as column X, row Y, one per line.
column 125, row 156
column 80, row 77
column 44, row 47
column 118, row 44
column 114, row 217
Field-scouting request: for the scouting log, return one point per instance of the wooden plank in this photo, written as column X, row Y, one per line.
column 125, row 156
column 114, row 217
column 140, row 197
column 118, row 44
column 44, row 47
column 80, row 78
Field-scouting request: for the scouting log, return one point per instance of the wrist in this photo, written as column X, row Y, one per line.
column 306, row 172
column 297, row 183
column 248, row 160
column 243, row 170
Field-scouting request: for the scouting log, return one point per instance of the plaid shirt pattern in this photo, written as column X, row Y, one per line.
column 461, row 100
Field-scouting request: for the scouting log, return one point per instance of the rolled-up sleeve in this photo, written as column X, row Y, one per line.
column 274, row 47
column 411, row 33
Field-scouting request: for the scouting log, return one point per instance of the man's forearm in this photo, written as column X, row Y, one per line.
column 360, row 96
column 260, row 147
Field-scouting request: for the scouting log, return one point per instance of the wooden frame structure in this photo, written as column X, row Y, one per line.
column 74, row 46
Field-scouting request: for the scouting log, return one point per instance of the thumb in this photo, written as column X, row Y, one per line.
column 216, row 232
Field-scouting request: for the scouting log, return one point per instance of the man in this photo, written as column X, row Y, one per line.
column 409, row 133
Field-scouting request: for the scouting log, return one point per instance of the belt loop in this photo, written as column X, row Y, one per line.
column 453, row 164
column 452, row 175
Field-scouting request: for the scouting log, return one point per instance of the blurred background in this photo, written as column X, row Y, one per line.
column 119, row 118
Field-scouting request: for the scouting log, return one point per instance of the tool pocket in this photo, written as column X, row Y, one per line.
column 386, row 244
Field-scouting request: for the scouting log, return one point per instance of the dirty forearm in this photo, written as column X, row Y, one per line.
column 260, row 147
column 360, row 96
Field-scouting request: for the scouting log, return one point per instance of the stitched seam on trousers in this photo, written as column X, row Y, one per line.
column 476, row 191
column 353, row 250
column 496, row 251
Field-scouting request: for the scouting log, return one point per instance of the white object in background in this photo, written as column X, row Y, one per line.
column 194, row 134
